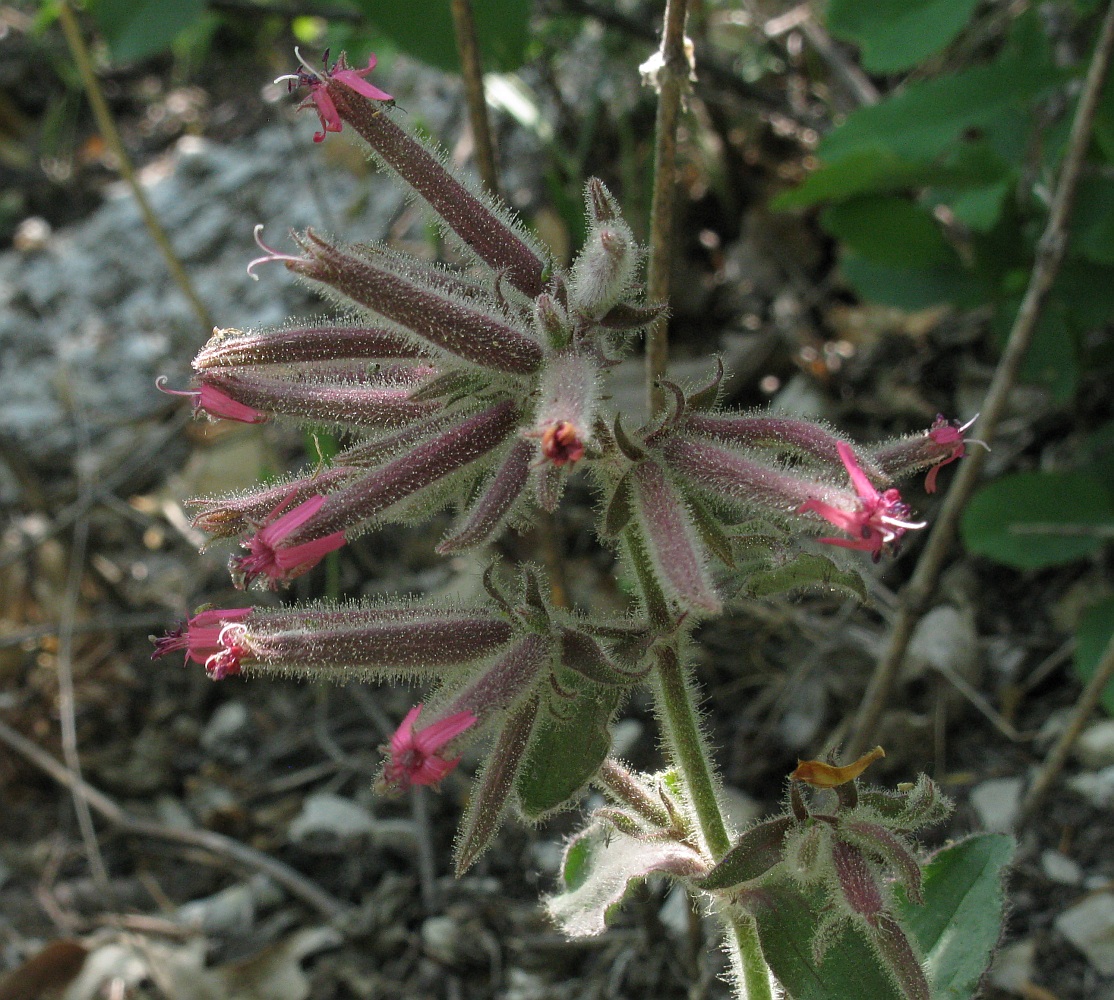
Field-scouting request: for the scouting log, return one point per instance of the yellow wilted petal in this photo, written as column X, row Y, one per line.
column 821, row 775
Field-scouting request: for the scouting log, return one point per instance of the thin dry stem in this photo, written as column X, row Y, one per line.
column 1058, row 755
column 297, row 885
column 468, row 48
column 111, row 136
column 673, row 79
column 915, row 597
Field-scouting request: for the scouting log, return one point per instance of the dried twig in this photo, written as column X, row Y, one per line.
column 111, row 136
column 297, row 885
column 672, row 78
column 1050, row 253
column 1058, row 755
column 66, row 698
column 468, row 48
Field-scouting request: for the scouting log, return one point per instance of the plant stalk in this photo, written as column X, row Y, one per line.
column 673, row 78
column 468, row 48
column 689, row 753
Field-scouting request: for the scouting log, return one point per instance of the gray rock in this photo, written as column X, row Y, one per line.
column 1089, row 925
column 998, row 803
column 1095, row 746
column 1060, row 868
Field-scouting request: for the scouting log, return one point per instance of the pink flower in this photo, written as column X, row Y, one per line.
column 561, row 444
column 413, row 755
column 948, row 436
column 269, row 557
column 216, row 403
column 318, row 84
column 200, row 636
column 879, row 520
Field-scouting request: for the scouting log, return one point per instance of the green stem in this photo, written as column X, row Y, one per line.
column 682, row 731
column 653, row 597
column 688, row 752
column 752, row 977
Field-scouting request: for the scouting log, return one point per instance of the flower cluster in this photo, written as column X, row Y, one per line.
column 482, row 388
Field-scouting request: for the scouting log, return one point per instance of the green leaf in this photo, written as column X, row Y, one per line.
column 981, row 208
column 960, row 923
column 860, row 171
column 1092, row 225
column 956, row 930
column 910, row 288
column 566, row 750
column 889, row 230
column 787, row 922
column 1004, row 518
column 425, row 31
column 135, row 29
column 897, row 34
column 927, row 118
column 1091, row 639
column 806, row 572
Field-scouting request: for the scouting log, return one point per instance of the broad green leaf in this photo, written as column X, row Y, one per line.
column 425, row 30
column 1004, row 519
column 926, row 118
column 135, row 29
column 911, row 288
column 889, row 230
column 956, row 930
column 959, row 925
column 1092, row 227
column 981, row 208
column 860, row 171
column 787, row 921
column 897, row 34
column 567, row 749
column 1091, row 639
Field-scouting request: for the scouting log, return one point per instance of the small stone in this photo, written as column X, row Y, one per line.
column 1060, row 868
column 1095, row 746
column 327, row 822
column 1097, row 787
column 674, row 912
column 1089, row 925
column 625, row 736
column 225, row 726
column 441, row 939
column 998, row 803
column 1014, row 965
column 944, row 641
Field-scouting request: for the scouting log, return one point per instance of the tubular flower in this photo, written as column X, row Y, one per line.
column 269, row 557
column 200, row 636
column 880, row 520
column 215, row 403
column 318, row 90
column 414, row 757
column 946, row 435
